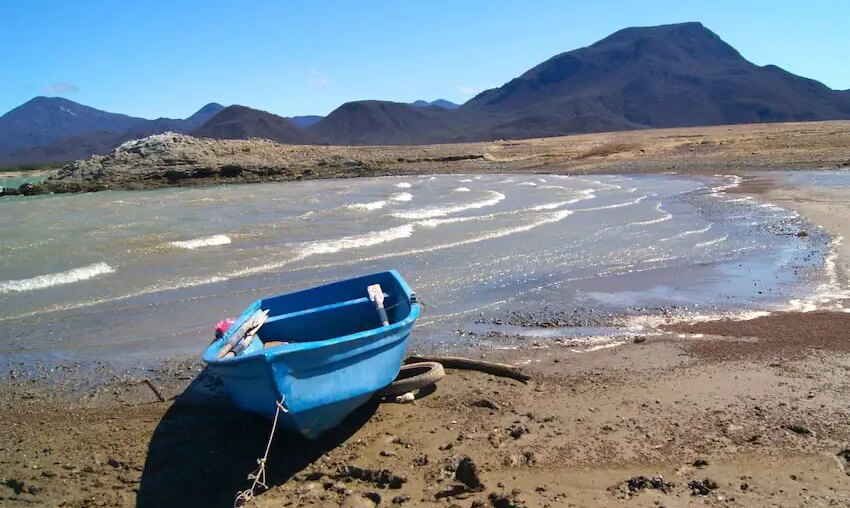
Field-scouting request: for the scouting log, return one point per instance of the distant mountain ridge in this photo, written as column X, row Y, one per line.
column 43, row 120
column 642, row 77
column 305, row 120
column 440, row 103
column 47, row 129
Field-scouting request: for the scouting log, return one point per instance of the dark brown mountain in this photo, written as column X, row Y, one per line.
column 240, row 122
column 382, row 122
column 663, row 76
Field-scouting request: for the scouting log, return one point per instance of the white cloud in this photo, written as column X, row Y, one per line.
column 316, row 79
column 467, row 90
column 61, row 88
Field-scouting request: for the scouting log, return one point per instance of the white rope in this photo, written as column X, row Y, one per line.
column 259, row 476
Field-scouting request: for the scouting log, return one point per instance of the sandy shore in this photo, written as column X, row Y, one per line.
column 748, row 413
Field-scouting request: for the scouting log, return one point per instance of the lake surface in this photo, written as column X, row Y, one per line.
column 142, row 276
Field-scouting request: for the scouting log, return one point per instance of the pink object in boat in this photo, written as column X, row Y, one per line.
column 222, row 327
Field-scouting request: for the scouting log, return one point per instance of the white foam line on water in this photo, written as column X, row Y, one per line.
column 205, row 241
column 403, row 185
column 598, row 182
column 195, row 200
column 734, row 181
column 549, row 206
column 653, row 322
column 711, row 242
column 401, row 197
column 665, row 217
column 529, row 184
column 466, row 180
column 428, row 213
column 689, row 232
column 354, row 242
column 377, row 205
column 461, row 189
column 56, row 279
column 608, row 207
column 829, row 295
column 584, row 194
column 372, row 205
column 694, row 231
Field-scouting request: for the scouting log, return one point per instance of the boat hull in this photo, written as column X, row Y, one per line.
column 320, row 382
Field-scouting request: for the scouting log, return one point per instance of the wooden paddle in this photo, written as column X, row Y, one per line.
column 259, row 316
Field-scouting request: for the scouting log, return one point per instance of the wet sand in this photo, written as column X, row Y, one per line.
column 762, row 403
column 826, row 207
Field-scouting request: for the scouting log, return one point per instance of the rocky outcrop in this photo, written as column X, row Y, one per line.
column 172, row 159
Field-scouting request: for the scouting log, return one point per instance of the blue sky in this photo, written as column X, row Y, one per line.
column 168, row 58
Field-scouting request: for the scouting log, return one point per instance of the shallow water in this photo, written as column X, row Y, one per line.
column 144, row 275
column 13, row 182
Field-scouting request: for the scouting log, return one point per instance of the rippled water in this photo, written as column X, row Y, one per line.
column 144, row 275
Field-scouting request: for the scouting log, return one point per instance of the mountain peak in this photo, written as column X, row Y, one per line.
column 212, row 106
column 692, row 38
column 205, row 113
column 42, row 101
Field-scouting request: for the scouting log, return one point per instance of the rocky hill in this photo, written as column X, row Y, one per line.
column 383, row 123
column 664, row 76
column 240, row 122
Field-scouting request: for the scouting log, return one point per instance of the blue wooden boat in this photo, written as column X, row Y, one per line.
column 335, row 351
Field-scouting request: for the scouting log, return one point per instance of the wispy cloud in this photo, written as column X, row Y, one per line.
column 316, row 79
column 61, row 88
column 467, row 90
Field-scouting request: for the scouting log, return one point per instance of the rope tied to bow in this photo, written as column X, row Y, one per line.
column 259, row 475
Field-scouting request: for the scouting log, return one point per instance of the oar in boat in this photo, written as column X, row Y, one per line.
column 242, row 331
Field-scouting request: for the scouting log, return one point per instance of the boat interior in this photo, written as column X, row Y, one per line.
column 335, row 310
column 328, row 321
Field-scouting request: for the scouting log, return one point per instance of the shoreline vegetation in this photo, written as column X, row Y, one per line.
column 722, row 413
column 167, row 160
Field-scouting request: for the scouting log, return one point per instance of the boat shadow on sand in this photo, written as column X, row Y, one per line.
column 203, row 449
